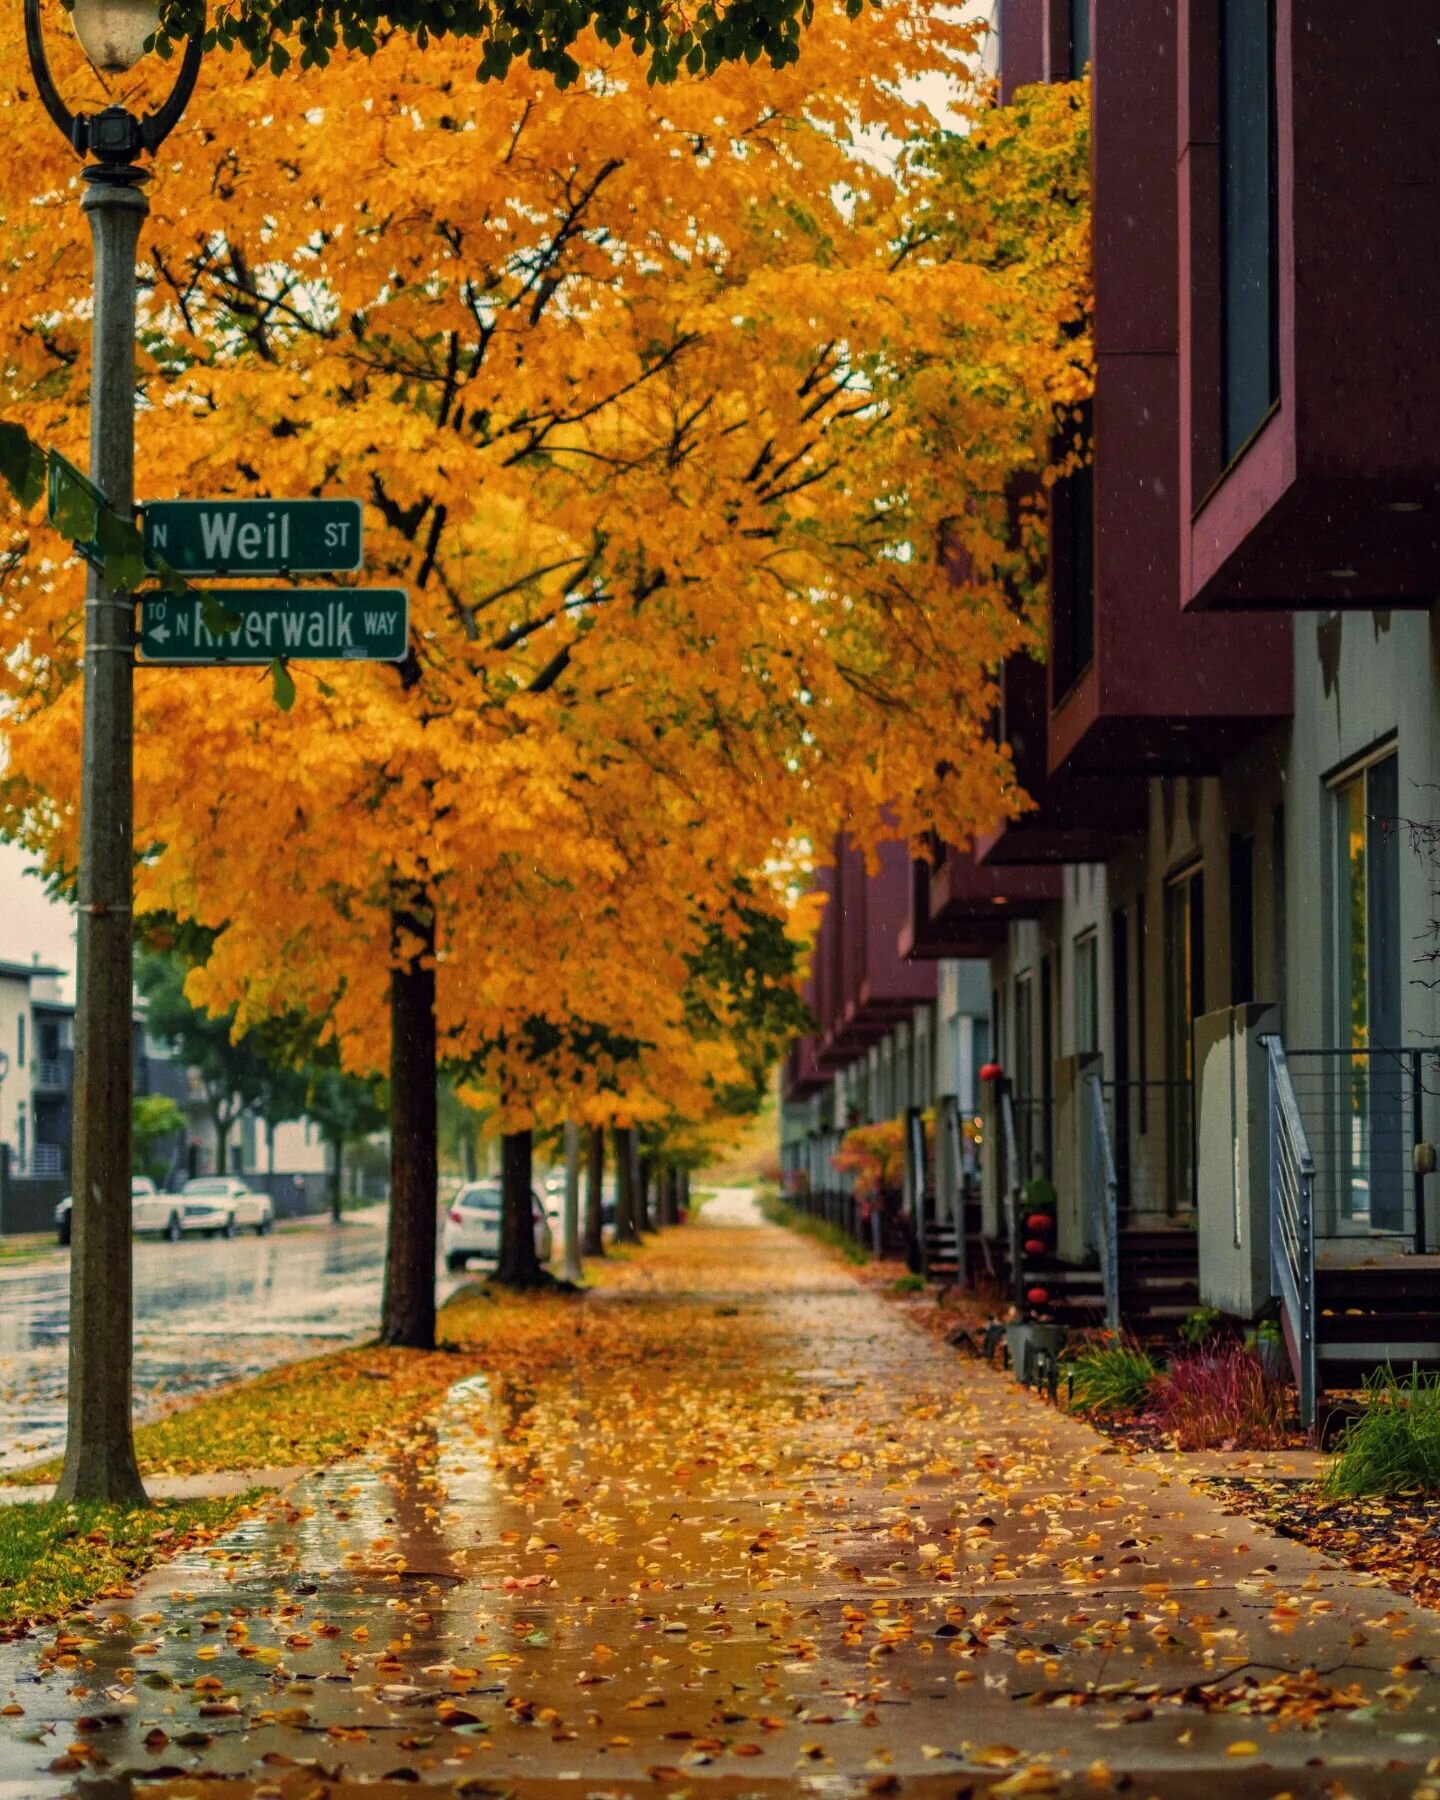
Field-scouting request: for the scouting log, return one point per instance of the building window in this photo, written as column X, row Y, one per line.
column 1079, row 38
column 1370, row 1128
column 1087, row 995
column 1184, row 1002
column 1072, row 571
column 1242, row 920
column 1277, row 860
column 1249, row 222
column 20, row 1042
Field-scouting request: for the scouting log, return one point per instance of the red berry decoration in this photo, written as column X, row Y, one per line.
column 1038, row 1296
column 990, row 1071
column 1040, row 1223
column 1034, row 1247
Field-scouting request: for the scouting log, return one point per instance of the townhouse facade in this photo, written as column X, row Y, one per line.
column 1210, row 946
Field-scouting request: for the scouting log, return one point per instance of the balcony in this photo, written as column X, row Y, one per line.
column 48, row 1077
column 1075, row 818
column 1137, row 685
column 1308, row 381
column 926, row 937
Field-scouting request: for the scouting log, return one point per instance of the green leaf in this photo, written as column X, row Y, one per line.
column 74, row 511
column 22, row 464
column 284, row 685
column 218, row 620
column 121, row 549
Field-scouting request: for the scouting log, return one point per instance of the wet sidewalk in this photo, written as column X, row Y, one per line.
column 790, row 1545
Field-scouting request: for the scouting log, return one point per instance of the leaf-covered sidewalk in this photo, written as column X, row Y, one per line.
column 733, row 1525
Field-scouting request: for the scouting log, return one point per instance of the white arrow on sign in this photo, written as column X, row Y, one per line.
column 161, row 634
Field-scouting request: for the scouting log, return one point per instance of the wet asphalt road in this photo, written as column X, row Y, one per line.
column 207, row 1312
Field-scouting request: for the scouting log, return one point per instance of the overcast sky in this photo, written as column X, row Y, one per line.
column 31, row 924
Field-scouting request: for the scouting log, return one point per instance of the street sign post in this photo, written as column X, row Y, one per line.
column 297, row 624
column 254, row 537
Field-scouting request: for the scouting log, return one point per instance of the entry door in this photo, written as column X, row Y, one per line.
column 1372, row 1145
column 1184, row 1001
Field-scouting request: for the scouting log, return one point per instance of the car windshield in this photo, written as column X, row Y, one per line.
column 479, row 1199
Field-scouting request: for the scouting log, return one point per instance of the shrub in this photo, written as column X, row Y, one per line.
column 1395, row 1443
column 1223, row 1397
column 1200, row 1326
column 908, row 1284
column 1117, row 1377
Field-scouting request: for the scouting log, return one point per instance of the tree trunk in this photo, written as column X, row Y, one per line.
column 221, row 1120
column 685, row 1192
column 409, row 1304
column 337, row 1178
column 626, row 1231
column 519, row 1265
column 669, row 1195
column 269, row 1149
column 571, row 1268
column 594, row 1244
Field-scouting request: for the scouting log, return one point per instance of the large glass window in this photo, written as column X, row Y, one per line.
column 1371, row 1146
column 1249, row 253
column 1242, row 919
column 1073, row 571
column 1087, row 995
column 1079, row 37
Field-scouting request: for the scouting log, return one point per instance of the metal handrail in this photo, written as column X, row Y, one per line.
column 1010, row 1165
column 1104, row 1209
column 1292, row 1227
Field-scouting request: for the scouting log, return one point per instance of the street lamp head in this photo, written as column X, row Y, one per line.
column 114, row 34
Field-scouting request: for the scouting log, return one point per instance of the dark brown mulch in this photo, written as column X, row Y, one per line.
column 1396, row 1537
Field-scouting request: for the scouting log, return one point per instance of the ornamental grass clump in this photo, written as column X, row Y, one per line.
column 1113, row 1378
column 1394, row 1445
column 1223, row 1397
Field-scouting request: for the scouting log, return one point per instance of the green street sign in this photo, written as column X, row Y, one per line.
column 301, row 624
column 254, row 537
column 75, row 506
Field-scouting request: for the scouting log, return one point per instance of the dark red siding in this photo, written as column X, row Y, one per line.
column 1336, row 499
column 1163, row 692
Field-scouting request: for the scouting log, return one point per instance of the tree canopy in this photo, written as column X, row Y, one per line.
column 690, row 416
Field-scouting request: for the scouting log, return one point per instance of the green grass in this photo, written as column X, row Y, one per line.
column 55, row 1558
column 1394, row 1446
column 780, row 1212
column 1112, row 1378
column 26, row 1248
column 908, row 1284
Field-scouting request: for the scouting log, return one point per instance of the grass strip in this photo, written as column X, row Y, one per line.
column 55, row 1557
column 780, row 1212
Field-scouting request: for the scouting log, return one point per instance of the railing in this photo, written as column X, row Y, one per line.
column 954, row 1164
column 48, row 1077
column 1104, row 1209
column 1011, row 1176
column 1362, row 1111
column 1152, row 1139
column 1292, row 1227
column 45, row 1162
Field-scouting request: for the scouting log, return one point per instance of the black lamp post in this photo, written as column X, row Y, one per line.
column 99, row 1448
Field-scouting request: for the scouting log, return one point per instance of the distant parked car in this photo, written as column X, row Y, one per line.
column 472, row 1226
column 150, row 1210
column 246, row 1210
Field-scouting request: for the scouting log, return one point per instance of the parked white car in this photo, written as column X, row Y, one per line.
column 152, row 1211
column 245, row 1209
column 472, row 1226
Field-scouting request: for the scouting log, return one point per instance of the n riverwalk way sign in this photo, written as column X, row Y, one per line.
column 254, row 537
column 298, row 624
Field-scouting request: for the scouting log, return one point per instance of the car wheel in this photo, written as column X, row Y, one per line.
column 172, row 1228
column 227, row 1230
column 62, row 1232
column 263, row 1228
column 456, row 1261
